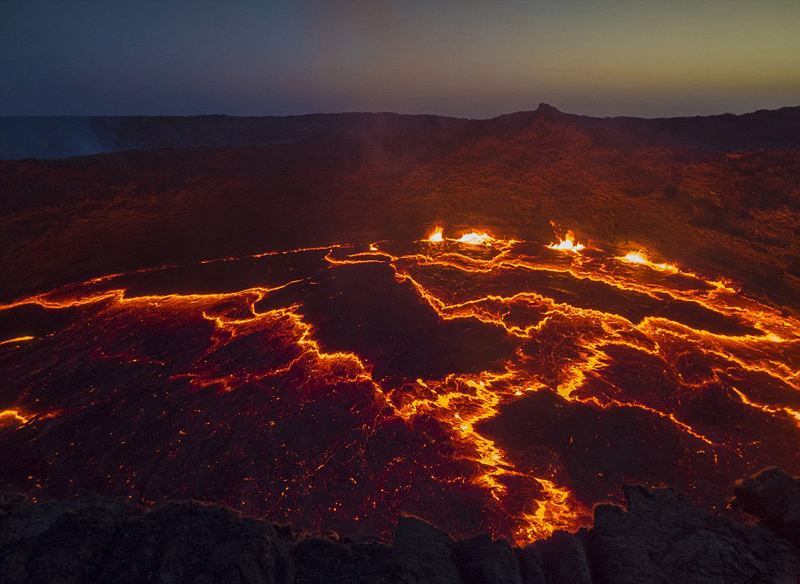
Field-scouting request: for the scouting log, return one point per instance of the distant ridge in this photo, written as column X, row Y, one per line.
column 59, row 137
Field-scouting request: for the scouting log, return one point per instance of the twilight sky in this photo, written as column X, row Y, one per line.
column 461, row 58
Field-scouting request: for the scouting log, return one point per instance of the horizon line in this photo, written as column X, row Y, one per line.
column 541, row 106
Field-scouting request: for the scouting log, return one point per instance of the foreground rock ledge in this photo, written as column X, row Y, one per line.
column 659, row 538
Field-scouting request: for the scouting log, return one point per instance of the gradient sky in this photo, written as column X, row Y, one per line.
column 462, row 58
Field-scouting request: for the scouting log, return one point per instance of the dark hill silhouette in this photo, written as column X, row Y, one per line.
column 55, row 137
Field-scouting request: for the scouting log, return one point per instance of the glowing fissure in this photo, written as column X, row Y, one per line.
column 17, row 340
column 461, row 402
column 13, row 416
column 640, row 258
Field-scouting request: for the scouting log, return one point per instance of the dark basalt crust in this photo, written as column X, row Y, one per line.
column 660, row 538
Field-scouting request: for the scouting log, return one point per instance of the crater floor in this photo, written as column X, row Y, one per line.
column 481, row 383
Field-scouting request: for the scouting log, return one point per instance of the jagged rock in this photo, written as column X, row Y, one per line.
column 10, row 500
column 482, row 560
column 530, row 565
column 425, row 553
column 661, row 538
column 57, row 542
column 774, row 497
column 103, row 540
column 564, row 560
column 320, row 560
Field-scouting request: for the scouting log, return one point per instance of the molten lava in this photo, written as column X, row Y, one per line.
column 12, row 416
column 567, row 244
column 488, row 386
column 475, row 238
column 640, row 258
column 16, row 340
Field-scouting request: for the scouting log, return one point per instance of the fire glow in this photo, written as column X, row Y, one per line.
column 641, row 259
column 437, row 236
column 475, row 238
column 13, row 416
column 469, row 238
column 568, row 243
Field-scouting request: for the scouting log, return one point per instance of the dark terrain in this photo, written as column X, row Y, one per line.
column 718, row 192
column 659, row 537
column 257, row 312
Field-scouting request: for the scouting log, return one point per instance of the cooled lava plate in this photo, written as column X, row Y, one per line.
column 480, row 383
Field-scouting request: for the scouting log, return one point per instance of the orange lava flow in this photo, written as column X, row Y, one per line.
column 640, row 258
column 564, row 342
column 17, row 340
column 464, row 409
column 14, row 416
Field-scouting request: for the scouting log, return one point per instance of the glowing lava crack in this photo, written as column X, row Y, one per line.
column 482, row 383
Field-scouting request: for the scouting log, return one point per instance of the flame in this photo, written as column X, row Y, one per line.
column 640, row 258
column 469, row 238
column 567, row 243
column 437, row 236
column 635, row 257
column 475, row 238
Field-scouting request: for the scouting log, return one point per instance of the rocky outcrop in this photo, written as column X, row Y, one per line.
column 663, row 538
column 482, row 560
column 94, row 539
column 773, row 497
column 563, row 559
column 659, row 537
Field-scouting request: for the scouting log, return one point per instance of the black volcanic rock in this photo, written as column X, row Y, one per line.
column 529, row 559
column 774, row 497
column 660, row 538
column 425, row 552
column 663, row 538
column 564, row 559
column 319, row 560
column 482, row 560
column 95, row 539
